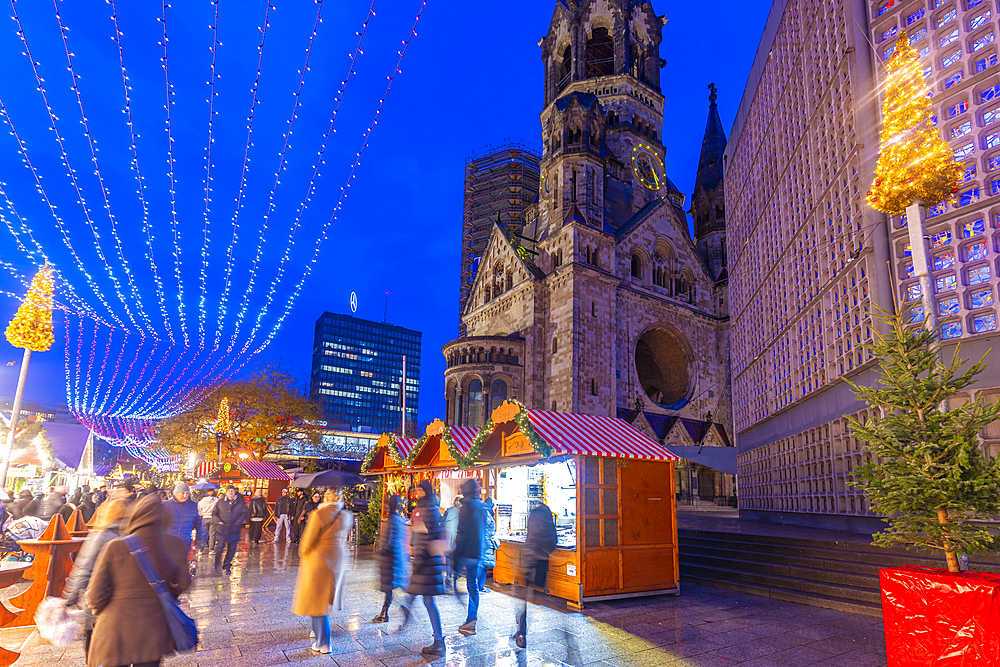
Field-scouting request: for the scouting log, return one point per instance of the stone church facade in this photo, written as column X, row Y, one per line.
column 604, row 304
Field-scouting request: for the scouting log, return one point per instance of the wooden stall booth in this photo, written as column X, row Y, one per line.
column 610, row 487
column 247, row 475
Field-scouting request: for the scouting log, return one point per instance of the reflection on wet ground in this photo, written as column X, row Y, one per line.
column 245, row 622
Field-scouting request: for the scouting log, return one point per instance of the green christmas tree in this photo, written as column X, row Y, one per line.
column 928, row 477
column 371, row 520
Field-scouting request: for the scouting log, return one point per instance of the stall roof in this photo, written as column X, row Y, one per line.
column 463, row 437
column 254, row 469
column 594, row 435
column 405, row 445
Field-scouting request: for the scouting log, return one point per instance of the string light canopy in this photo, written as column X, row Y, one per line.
column 914, row 163
column 140, row 172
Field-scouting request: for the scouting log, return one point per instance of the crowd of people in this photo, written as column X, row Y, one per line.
column 110, row 585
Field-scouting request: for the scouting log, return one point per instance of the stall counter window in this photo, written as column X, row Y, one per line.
column 521, row 489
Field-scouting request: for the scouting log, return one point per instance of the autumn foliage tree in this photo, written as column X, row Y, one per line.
column 267, row 415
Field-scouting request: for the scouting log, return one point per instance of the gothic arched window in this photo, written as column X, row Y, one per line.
column 636, row 266
column 565, row 67
column 612, row 117
column 510, row 280
column 600, row 54
column 475, row 404
column 498, row 393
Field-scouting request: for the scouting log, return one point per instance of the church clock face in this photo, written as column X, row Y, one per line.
column 648, row 167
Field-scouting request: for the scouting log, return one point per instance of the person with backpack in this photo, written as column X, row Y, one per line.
column 539, row 543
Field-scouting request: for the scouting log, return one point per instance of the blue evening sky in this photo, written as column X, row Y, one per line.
column 471, row 78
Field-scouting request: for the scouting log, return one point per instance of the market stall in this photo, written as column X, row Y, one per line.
column 247, row 475
column 610, row 487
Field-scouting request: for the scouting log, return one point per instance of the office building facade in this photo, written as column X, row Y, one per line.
column 357, row 371
column 810, row 263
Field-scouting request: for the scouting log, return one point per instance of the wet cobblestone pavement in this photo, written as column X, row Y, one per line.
column 245, row 622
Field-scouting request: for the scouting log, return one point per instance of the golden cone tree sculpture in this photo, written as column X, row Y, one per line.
column 31, row 327
column 914, row 163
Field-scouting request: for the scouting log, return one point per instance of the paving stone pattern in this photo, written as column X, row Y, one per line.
column 245, row 622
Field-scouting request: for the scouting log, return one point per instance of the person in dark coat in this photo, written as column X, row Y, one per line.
column 131, row 628
column 469, row 543
column 490, row 545
column 282, row 513
column 181, row 514
column 427, row 578
column 87, row 507
column 228, row 516
column 27, row 504
column 107, row 527
column 77, row 496
column 391, row 559
column 539, row 542
column 54, row 502
column 257, row 508
column 298, row 518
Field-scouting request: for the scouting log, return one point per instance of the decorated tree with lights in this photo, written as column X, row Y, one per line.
column 928, row 476
column 31, row 329
column 916, row 168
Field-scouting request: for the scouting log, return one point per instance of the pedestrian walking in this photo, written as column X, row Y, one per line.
column 539, row 542
column 427, row 578
column 258, row 513
column 182, row 516
column 87, row 507
column 205, row 507
column 298, row 518
column 53, row 502
column 131, row 628
column 322, row 565
column 282, row 511
column 450, row 534
column 228, row 517
column 392, row 560
column 107, row 527
column 490, row 546
column 468, row 552
column 27, row 505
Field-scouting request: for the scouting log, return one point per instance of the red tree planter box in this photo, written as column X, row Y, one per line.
column 936, row 617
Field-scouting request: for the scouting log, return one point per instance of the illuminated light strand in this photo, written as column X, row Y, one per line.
column 243, row 179
column 52, row 209
column 208, row 178
column 343, row 191
column 97, row 169
column 303, row 205
column 71, row 173
column 104, row 363
column 140, row 186
column 277, row 175
column 173, row 183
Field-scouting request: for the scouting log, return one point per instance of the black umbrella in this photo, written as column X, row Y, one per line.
column 205, row 486
column 337, row 479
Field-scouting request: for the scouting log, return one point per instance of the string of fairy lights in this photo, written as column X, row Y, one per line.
column 129, row 363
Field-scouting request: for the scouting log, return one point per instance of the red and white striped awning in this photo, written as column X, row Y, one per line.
column 463, row 437
column 594, row 435
column 253, row 469
column 405, row 445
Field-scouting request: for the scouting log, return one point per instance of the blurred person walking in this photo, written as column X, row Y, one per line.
column 282, row 510
column 182, row 516
column 53, row 502
column 258, row 513
column 469, row 545
column 205, row 507
column 489, row 546
column 322, row 565
column 228, row 517
column 392, row 560
column 131, row 628
column 27, row 505
column 107, row 527
column 451, row 534
column 88, row 507
column 539, row 542
column 427, row 578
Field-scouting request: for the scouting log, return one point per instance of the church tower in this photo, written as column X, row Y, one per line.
column 708, row 207
column 602, row 119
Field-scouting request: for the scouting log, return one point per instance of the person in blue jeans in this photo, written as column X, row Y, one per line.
column 427, row 576
column 469, row 548
column 489, row 546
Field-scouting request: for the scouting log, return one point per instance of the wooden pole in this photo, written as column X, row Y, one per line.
column 15, row 416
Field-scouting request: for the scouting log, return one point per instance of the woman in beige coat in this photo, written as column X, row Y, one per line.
column 322, row 564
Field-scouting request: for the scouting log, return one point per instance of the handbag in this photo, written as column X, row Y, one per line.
column 57, row 623
column 182, row 627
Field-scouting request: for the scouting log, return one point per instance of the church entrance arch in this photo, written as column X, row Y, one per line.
column 662, row 367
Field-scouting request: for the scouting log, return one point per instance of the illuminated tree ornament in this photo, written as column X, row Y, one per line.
column 31, row 327
column 222, row 423
column 914, row 163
